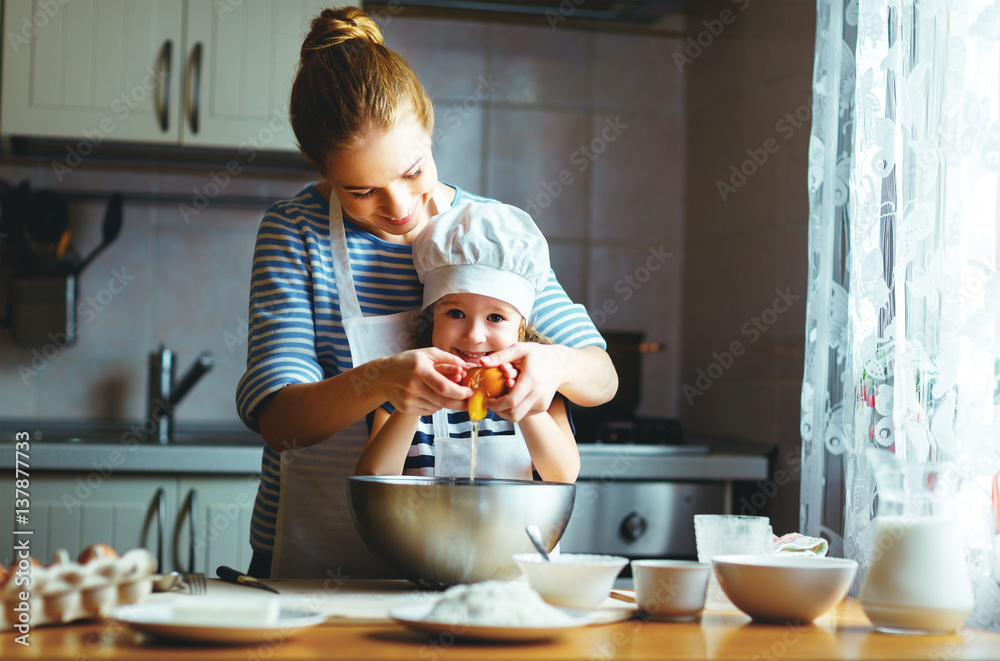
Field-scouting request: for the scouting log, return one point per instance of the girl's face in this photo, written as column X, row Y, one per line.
column 384, row 185
column 472, row 326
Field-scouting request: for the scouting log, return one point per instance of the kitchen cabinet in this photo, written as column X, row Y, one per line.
column 191, row 73
column 71, row 510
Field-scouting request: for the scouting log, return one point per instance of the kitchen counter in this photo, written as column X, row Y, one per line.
column 231, row 449
column 843, row 633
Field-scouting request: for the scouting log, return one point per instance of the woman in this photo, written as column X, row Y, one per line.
column 333, row 295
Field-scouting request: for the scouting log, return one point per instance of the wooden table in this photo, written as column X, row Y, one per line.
column 843, row 633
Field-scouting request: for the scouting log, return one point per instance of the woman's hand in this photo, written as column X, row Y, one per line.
column 585, row 376
column 422, row 381
column 538, row 369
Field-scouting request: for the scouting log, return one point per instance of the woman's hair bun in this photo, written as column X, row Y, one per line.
column 335, row 26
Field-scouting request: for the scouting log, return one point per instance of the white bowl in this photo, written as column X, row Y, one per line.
column 670, row 589
column 572, row 580
column 784, row 587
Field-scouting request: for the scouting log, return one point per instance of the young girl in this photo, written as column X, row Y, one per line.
column 482, row 265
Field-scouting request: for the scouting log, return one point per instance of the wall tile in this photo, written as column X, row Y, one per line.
column 448, row 56
column 458, row 145
column 637, row 73
column 568, row 261
column 535, row 65
column 21, row 368
column 634, row 288
column 106, row 390
column 637, row 178
column 531, row 166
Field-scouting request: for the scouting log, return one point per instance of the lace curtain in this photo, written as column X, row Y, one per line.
column 903, row 308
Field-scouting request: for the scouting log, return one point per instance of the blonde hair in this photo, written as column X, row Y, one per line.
column 348, row 84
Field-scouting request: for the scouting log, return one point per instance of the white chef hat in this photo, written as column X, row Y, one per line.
column 485, row 248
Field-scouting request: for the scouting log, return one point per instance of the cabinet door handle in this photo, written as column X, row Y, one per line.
column 161, row 515
column 162, row 97
column 193, row 76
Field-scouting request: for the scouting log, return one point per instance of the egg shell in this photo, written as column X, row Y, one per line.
column 489, row 380
column 95, row 551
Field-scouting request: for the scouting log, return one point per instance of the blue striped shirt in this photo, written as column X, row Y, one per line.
column 295, row 334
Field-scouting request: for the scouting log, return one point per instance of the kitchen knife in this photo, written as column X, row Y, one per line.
column 230, row 575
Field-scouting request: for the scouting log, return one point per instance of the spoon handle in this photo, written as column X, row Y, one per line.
column 535, row 535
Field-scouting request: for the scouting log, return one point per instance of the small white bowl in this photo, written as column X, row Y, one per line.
column 784, row 587
column 571, row 580
column 670, row 589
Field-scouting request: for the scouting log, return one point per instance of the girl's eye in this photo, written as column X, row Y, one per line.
column 363, row 196
column 413, row 175
column 456, row 314
column 495, row 318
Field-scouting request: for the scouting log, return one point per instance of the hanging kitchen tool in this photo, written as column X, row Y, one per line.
column 45, row 223
column 109, row 230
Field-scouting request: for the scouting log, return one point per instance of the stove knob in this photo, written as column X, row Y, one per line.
column 633, row 527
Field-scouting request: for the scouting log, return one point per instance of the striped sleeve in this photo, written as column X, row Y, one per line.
column 561, row 320
column 281, row 336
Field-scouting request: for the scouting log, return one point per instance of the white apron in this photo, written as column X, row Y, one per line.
column 498, row 457
column 315, row 534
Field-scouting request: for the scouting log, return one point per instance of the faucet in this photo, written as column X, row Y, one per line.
column 165, row 395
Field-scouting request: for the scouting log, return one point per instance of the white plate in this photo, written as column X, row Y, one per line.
column 412, row 615
column 157, row 618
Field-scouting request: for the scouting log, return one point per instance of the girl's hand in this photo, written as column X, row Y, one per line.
column 422, row 381
column 538, row 369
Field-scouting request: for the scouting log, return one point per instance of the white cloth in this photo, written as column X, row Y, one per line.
column 481, row 248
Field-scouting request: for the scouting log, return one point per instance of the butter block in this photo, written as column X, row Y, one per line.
column 226, row 611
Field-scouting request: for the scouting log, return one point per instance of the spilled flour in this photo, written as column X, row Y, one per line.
column 496, row 604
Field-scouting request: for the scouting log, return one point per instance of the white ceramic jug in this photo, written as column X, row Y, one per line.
column 917, row 580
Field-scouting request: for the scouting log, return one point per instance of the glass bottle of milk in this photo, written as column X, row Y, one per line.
column 917, row 580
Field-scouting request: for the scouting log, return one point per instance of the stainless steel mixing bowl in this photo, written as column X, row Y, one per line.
column 438, row 532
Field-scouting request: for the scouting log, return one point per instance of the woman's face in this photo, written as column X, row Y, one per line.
column 384, row 185
column 472, row 326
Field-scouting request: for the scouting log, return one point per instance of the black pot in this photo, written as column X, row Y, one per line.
column 626, row 349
